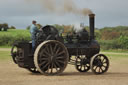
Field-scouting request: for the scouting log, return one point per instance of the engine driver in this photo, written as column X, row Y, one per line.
column 33, row 30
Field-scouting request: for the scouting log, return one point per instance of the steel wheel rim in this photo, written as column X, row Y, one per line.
column 14, row 51
column 51, row 57
column 80, row 66
column 99, row 64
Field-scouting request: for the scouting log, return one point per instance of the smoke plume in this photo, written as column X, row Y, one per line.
column 63, row 7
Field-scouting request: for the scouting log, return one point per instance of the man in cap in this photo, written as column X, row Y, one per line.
column 33, row 31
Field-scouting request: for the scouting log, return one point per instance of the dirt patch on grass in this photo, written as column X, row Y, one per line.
column 5, row 49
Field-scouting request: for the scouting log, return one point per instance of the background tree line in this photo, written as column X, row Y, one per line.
column 5, row 26
column 108, row 37
column 113, row 37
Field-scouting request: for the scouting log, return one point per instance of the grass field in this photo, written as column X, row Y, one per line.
column 5, row 54
column 15, row 32
column 12, row 35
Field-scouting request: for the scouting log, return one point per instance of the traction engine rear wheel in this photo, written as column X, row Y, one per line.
column 51, row 57
column 14, row 52
column 99, row 64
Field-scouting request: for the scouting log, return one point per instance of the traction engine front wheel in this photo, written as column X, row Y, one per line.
column 99, row 64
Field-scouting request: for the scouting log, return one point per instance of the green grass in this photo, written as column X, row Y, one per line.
column 9, row 37
column 116, row 56
column 5, row 55
column 116, row 51
column 15, row 32
column 5, row 46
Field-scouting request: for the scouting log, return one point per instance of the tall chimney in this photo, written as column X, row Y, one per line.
column 92, row 25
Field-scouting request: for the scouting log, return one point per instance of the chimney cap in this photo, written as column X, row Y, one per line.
column 91, row 15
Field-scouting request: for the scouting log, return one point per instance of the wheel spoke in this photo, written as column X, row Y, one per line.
column 101, row 69
column 55, row 67
column 96, row 68
column 48, row 68
column 84, row 67
column 42, row 54
column 47, row 49
column 58, row 64
column 103, row 60
column 45, row 65
column 81, row 67
column 60, row 61
column 47, row 54
column 42, row 63
column 61, row 57
column 60, row 53
column 78, row 62
column 51, row 49
column 55, row 47
column 51, row 67
column 57, row 50
column 43, row 59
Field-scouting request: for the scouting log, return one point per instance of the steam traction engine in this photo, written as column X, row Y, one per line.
column 53, row 52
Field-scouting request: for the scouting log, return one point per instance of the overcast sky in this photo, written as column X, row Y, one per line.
column 20, row 13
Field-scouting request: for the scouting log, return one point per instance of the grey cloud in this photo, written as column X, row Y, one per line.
column 20, row 13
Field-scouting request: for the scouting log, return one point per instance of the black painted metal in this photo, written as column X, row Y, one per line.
column 92, row 25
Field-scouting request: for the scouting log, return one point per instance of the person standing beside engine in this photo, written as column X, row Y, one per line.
column 33, row 30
